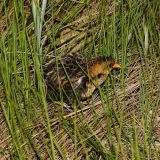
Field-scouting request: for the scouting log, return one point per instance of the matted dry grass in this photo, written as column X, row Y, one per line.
column 132, row 112
column 125, row 100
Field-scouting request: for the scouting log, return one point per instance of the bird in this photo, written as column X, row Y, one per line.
column 76, row 75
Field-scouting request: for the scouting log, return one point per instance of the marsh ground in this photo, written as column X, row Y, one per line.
column 121, row 120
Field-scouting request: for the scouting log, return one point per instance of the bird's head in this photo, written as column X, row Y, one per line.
column 102, row 65
column 110, row 63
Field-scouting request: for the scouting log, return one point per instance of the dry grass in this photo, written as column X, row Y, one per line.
column 128, row 96
column 112, row 119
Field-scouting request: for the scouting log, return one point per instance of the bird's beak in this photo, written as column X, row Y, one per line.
column 116, row 65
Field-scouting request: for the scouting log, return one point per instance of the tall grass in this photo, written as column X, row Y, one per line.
column 109, row 127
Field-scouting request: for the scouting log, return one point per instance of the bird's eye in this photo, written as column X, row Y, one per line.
column 99, row 75
column 110, row 65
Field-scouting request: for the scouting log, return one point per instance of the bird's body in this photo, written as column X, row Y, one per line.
column 75, row 74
